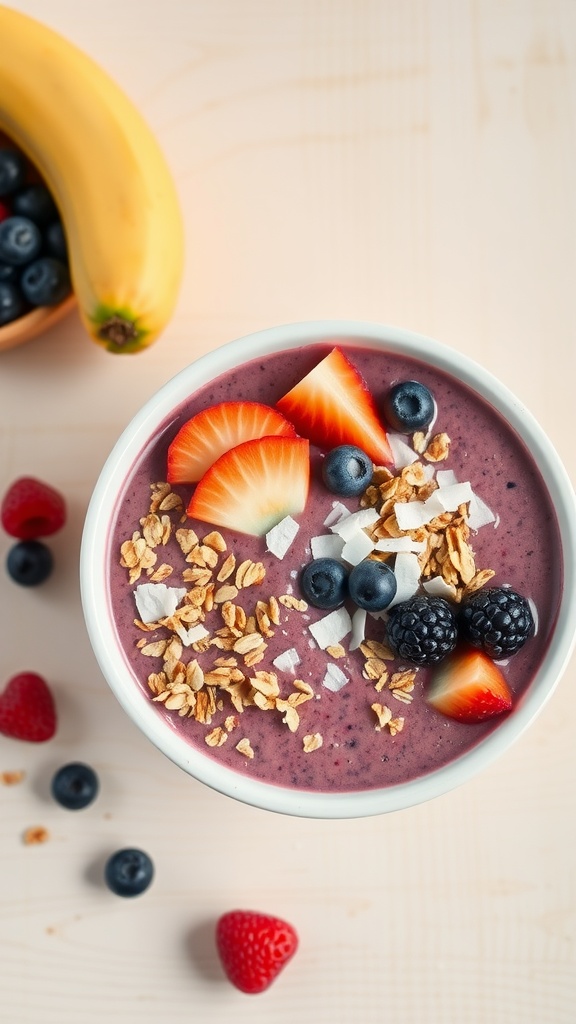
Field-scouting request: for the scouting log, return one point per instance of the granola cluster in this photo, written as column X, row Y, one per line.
column 447, row 553
column 399, row 685
column 217, row 589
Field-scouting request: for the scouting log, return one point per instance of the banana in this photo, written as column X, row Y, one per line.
column 107, row 175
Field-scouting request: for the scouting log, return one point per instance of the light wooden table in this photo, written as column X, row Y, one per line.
column 406, row 161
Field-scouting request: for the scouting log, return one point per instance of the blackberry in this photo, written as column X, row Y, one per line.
column 497, row 620
column 422, row 630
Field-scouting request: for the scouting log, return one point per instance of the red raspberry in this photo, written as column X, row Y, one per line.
column 27, row 710
column 5, row 211
column 254, row 948
column 32, row 509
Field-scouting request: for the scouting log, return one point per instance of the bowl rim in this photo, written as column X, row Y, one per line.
column 95, row 551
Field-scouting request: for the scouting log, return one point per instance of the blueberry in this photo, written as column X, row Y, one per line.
column 9, row 273
column 372, row 585
column 75, row 785
column 29, row 562
column 12, row 304
column 45, row 282
column 20, row 240
column 128, row 872
column 55, row 239
column 409, row 406
column 324, row 583
column 347, row 470
column 12, row 171
column 36, row 203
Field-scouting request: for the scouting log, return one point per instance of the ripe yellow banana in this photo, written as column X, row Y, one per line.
column 107, row 175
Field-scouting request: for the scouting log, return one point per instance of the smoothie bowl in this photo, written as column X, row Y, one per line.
column 329, row 569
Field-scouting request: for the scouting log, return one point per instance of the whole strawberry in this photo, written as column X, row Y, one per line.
column 31, row 509
column 27, row 710
column 254, row 948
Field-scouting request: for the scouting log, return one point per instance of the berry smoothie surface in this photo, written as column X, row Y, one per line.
column 339, row 719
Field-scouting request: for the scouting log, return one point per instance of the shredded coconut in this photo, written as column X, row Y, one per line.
column 327, row 545
column 157, row 601
column 402, row 453
column 287, row 661
column 357, row 548
column 332, row 628
column 407, row 572
column 348, row 526
column 334, row 678
column 281, row 536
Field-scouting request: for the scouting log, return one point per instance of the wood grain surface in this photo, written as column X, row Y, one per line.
column 405, row 161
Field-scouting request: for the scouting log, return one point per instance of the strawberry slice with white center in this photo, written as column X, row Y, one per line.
column 332, row 405
column 254, row 485
column 469, row 686
column 213, row 431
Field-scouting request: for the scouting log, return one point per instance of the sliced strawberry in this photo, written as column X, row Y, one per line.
column 254, row 485
column 31, row 509
column 254, row 948
column 27, row 710
column 215, row 430
column 331, row 406
column 469, row 686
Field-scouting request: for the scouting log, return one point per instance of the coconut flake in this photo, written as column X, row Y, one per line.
column 437, row 587
column 281, row 536
column 452, row 496
column 157, row 601
column 407, row 573
column 402, row 453
column 396, row 544
column 192, row 635
column 287, row 661
column 358, row 628
column 357, row 548
column 535, row 617
column 411, row 515
column 479, row 514
column 332, row 628
column 350, row 524
column 446, row 477
column 334, row 678
column 339, row 511
column 326, row 545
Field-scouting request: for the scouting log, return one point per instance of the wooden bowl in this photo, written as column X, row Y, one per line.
column 34, row 323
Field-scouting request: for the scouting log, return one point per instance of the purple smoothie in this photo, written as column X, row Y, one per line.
column 524, row 549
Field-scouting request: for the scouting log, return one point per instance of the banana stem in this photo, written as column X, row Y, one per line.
column 117, row 330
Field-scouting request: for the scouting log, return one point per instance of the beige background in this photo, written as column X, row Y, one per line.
column 407, row 161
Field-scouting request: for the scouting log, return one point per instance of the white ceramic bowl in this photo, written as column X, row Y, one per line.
column 95, row 554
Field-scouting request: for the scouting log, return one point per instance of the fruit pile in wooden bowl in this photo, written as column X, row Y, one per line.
column 35, row 290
